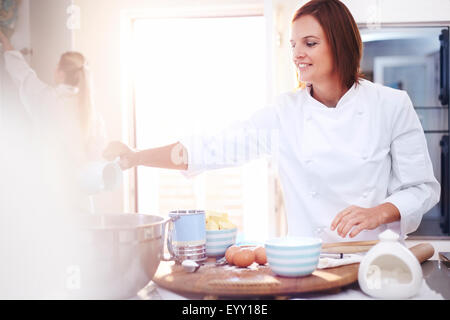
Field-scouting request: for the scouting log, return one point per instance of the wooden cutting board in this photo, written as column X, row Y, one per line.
column 348, row 247
column 255, row 280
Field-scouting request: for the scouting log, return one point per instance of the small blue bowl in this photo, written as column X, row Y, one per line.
column 293, row 256
column 218, row 241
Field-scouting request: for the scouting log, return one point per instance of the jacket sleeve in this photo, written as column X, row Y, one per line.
column 33, row 92
column 236, row 145
column 412, row 188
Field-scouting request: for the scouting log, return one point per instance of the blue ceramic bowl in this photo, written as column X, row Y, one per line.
column 218, row 241
column 293, row 256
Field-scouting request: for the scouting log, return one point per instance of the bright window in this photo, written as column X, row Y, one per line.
column 195, row 75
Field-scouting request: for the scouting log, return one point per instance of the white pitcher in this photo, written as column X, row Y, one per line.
column 101, row 176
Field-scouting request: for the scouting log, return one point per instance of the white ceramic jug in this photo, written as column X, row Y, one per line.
column 389, row 270
column 100, row 176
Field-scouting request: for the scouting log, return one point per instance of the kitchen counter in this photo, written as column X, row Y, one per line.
column 436, row 286
column 437, row 276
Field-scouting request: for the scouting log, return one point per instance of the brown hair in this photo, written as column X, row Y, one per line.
column 75, row 69
column 342, row 34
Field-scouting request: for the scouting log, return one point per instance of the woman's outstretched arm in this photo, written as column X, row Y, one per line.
column 172, row 156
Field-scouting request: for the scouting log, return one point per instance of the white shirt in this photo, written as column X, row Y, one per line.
column 54, row 109
column 58, row 138
column 368, row 150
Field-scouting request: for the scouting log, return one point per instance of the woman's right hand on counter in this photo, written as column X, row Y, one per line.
column 128, row 156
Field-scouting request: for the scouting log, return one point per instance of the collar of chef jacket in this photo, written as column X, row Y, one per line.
column 342, row 101
column 348, row 108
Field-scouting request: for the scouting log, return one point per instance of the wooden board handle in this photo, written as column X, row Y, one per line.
column 422, row 251
column 349, row 244
column 348, row 247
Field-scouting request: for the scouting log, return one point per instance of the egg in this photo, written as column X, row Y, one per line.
column 243, row 257
column 230, row 252
column 260, row 255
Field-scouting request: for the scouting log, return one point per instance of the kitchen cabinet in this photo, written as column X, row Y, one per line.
column 50, row 35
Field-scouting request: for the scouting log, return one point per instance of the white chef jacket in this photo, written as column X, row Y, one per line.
column 368, row 150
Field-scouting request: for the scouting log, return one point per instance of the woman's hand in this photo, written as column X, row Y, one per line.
column 128, row 157
column 7, row 46
column 364, row 218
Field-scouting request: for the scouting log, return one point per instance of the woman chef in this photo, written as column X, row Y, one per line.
column 68, row 131
column 352, row 155
column 68, row 106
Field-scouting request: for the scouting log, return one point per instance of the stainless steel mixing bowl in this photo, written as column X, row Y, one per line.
column 117, row 254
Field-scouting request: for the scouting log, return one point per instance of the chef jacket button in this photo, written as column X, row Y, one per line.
column 365, row 194
column 308, row 161
column 308, row 118
column 313, row 193
column 364, row 157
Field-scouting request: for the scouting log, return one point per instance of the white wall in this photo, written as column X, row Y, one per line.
column 50, row 36
column 399, row 10
column 21, row 36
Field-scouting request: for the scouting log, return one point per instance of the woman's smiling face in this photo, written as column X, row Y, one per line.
column 311, row 52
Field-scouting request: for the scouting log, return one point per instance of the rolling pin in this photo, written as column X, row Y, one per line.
column 422, row 251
